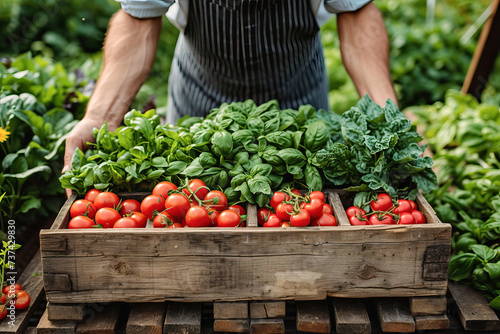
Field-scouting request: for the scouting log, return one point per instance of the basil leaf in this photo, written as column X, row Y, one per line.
column 313, row 178
column 316, row 136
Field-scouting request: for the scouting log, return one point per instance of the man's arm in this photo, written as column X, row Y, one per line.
column 129, row 53
column 364, row 47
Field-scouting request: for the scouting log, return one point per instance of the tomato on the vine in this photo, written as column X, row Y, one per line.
column 3, row 312
column 354, row 210
column 129, row 206
column 228, row 218
column 403, row 206
column 356, row 221
column 175, row 225
column 238, row 209
column 163, row 219
column 196, row 187
column 178, row 205
column 327, row 208
column 140, row 218
column 7, row 289
column 286, row 224
column 22, row 300
column 125, row 222
column 92, row 194
column 284, row 211
column 162, row 188
column 413, row 205
column 222, row 202
column 197, row 216
column 419, row 217
column 384, row 220
column 273, row 221
column 314, row 207
column 106, row 200
column 277, row 198
column 80, row 222
column 106, row 217
column 319, row 195
column 326, row 219
column 262, row 215
column 296, row 192
column 82, row 207
column 382, row 203
column 152, row 203
column 214, row 215
column 300, row 219
column 406, row 218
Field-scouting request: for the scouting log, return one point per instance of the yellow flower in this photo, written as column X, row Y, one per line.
column 4, row 134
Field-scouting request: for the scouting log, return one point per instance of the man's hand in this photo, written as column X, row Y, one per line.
column 365, row 52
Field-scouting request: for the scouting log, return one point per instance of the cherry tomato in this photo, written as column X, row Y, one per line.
column 284, row 211
column 129, row 206
column 277, row 198
column 382, row 203
column 107, row 217
column 403, row 206
column 228, row 218
column 300, row 219
column 175, row 225
column 273, row 221
column 319, row 195
column 354, row 210
column 221, row 204
column 419, row 217
column 22, row 300
column 80, row 222
column 3, row 299
column 126, row 222
column 327, row 208
column 152, row 203
column 162, row 188
column 214, row 215
column 82, row 207
column 106, row 200
column 385, row 220
column 238, row 209
column 296, row 191
column 198, row 216
column 140, row 218
column 413, row 205
column 6, row 289
column 325, row 219
column 163, row 219
column 406, row 218
column 262, row 215
column 314, row 208
column 3, row 312
column 356, row 221
column 178, row 205
column 195, row 185
column 92, row 194
column 285, row 224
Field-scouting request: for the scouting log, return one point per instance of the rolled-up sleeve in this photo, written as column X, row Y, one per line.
column 341, row 6
column 145, row 8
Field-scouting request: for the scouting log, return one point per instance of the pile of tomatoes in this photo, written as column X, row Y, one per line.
column 289, row 208
column 386, row 212
column 16, row 295
column 191, row 205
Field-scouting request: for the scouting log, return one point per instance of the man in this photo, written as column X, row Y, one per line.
column 233, row 50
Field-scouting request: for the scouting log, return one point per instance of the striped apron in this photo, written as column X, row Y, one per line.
column 233, row 50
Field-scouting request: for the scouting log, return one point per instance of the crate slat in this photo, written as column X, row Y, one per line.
column 231, row 310
column 146, row 318
column 351, row 316
column 75, row 312
column 183, row 318
column 267, row 309
column 431, row 322
column 313, row 316
column 45, row 326
column 432, row 305
column 231, row 325
column 103, row 322
column 394, row 316
column 267, row 326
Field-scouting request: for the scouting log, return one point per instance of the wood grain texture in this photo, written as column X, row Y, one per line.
column 146, row 318
column 338, row 209
column 473, row 309
column 183, row 318
column 267, row 326
column 313, row 316
column 231, row 310
column 394, row 316
column 431, row 322
column 428, row 305
column 75, row 312
column 104, row 322
column 267, row 309
column 351, row 316
column 252, row 215
column 232, row 325
column 45, row 326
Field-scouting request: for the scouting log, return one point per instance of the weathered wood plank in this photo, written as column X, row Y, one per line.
column 473, row 309
column 45, row 326
column 313, row 316
column 267, row 326
column 431, row 322
column 394, row 316
column 338, row 209
column 183, row 318
column 57, row 282
column 267, row 309
column 146, row 318
column 103, row 322
column 74, row 312
column 252, row 216
column 32, row 283
column 62, row 218
column 431, row 305
column 231, row 325
column 230, row 310
column 351, row 316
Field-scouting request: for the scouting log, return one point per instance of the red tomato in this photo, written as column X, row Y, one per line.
column 162, row 188
column 354, row 210
column 107, row 217
column 178, row 205
column 197, row 216
column 277, row 198
column 262, row 215
column 300, row 219
column 327, row 208
column 175, row 225
column 406, row 218
column 3, row 299
column 129, row 206
column 22, row 300
column 221, row 204
column 238, row 209
column 314, row 208
column 273, row 221
column 413, row 205
column 7, row 289
column 140, row 218
column 106, row 200
column 92, row 194
column 356, row 221
column 80, row 222
column 126, row 222
column 285, row 224
column 152, row 203
column 214, row 215
column 3, row 312
column 385, row 220
column 419, row 217
column 228, row 218
column 195, row 186
column 163, row 219
column 296, row 192
column 284, row 211
column 325, row 219
column 319, row 195
column 403, row 206
column 82, row 207
column 382, row 203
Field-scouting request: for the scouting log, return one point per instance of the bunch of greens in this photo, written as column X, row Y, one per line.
column 378, row 151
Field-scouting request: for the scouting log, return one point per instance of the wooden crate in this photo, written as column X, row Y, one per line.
column 251, row 263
